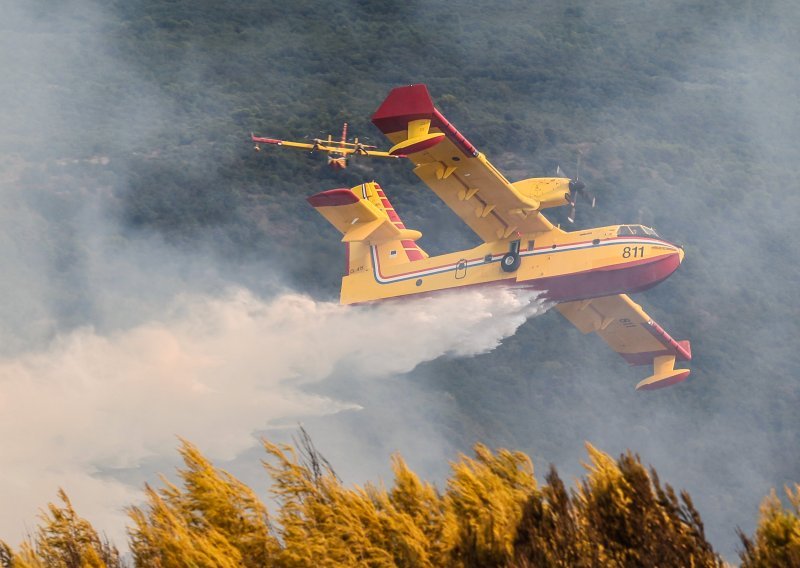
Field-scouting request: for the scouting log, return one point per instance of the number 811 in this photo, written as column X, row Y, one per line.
column 635, row 252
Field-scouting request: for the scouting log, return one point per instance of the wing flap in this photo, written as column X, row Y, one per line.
column 628, row 330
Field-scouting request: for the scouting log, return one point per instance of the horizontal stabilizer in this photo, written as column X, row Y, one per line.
column 357, row 218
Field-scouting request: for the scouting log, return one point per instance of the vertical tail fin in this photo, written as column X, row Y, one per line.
column 367, row 219
column 410, row 247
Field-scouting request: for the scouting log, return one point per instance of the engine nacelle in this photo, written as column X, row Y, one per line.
column 549, row 192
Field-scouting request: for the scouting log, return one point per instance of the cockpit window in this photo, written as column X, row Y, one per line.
column 636, row 231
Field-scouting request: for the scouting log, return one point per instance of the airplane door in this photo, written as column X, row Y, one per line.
column 461, row 269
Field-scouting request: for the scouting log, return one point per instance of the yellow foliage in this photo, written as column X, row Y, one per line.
column 215, row 520
column 629, row 519
column 777, row 538
column 162, row 537
column 425, row 508
column 486, row 496
column 325, row 524
column 63, row 540
column 605, row 480
column 491, row 514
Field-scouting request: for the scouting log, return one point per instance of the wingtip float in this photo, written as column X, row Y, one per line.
column 589, row 273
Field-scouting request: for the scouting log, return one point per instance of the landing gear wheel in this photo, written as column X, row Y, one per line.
column 510, row 262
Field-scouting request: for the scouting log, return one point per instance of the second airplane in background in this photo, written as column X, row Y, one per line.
column 339, row 151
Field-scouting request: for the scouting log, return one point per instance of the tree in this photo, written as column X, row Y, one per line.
column 486, row 495
column 213, row 520
column 630, row 520
column 619, row 516
column 777, row 538
column 492, row 513
column 63, row 540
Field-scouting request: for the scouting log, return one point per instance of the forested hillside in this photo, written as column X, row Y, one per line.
column 126, row 127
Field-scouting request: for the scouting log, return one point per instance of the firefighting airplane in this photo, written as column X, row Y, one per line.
column 338, row 150
column 588, row 273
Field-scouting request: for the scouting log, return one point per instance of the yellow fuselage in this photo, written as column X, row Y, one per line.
column 565, row 266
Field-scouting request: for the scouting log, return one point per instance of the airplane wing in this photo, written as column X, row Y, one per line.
column 290, row 144
column 629, row 331
column 454, row 169
column 364, row 152
column 323, row 146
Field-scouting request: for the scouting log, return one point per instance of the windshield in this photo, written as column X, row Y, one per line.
column 636, row 231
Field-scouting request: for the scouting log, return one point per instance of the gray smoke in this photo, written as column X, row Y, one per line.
column 89, row 305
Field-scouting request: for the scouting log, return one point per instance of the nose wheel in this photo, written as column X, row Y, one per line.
column 511, row 260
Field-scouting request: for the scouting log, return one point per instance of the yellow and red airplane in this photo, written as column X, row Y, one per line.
column 588, row 273
column 338, row 150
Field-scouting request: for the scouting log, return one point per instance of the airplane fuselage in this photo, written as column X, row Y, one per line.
column 337, row 161
column 565, row 266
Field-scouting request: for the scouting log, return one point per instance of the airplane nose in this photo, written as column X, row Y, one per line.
column 680, row 254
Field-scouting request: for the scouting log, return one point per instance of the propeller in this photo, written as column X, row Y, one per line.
column 359, row 149
column 576, row 188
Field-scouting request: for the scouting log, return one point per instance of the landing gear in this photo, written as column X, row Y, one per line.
column 511, row 260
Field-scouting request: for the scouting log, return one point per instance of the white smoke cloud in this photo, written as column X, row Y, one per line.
column 213, row 370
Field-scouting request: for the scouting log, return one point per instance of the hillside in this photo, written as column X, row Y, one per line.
column 127, row 122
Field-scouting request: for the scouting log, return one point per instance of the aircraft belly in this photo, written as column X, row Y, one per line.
column 606, row 280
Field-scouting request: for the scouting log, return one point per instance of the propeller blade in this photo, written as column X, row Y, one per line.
column 576, row 188
column 573, row 202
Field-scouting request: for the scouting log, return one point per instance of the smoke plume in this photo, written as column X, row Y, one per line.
column 213, row 370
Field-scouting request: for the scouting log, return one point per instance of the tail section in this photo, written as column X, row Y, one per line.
column 370, row 227
column 375, row 193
